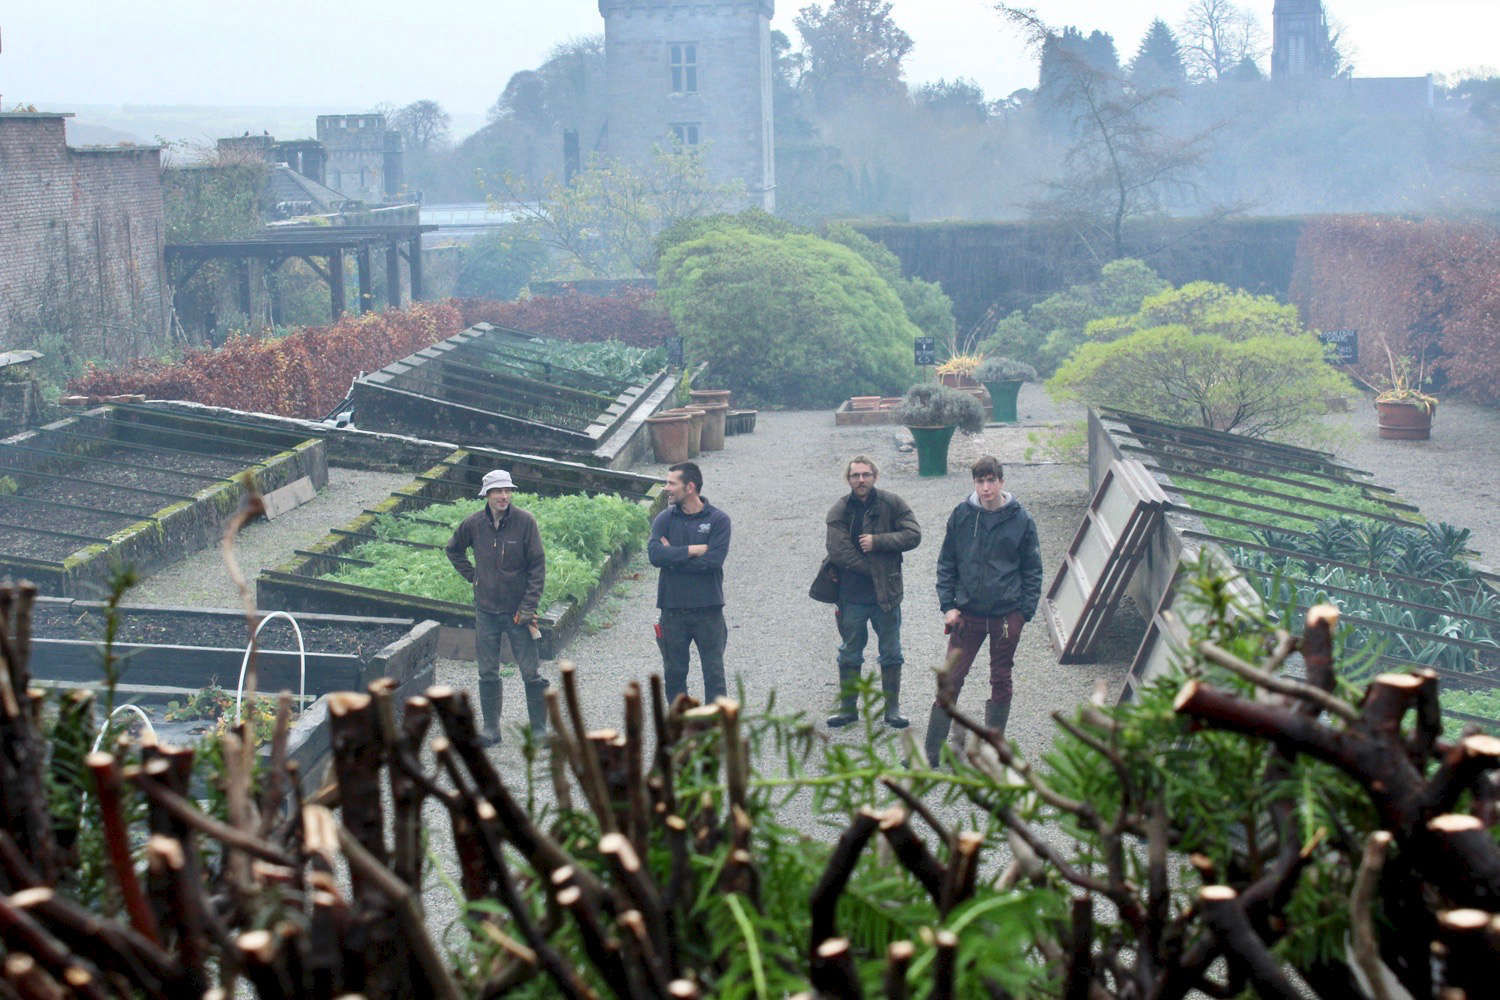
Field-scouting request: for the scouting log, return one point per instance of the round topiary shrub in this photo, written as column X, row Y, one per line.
column 789, row 320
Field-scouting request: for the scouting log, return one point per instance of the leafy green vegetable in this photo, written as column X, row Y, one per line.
column 579, row 534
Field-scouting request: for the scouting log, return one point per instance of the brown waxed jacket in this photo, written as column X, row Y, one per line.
column 509, row 566
column 896, row 531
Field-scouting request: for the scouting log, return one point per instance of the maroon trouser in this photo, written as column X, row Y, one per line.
column 964, row 640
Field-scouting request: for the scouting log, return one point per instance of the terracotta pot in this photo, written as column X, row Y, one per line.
column 695, row 443
column 1400, row 421
column 710, row 395
column 958, row 380
column 670, row 434
column 713, row 425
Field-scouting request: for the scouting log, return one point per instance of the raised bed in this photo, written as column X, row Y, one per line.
column 170, row 653
column 1302, row 528
column 492, row 385
column 863, row 410
column 133, row 486
column 300, row 585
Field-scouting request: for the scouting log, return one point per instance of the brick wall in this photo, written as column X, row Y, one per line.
column 732, row 105
column 81, row 235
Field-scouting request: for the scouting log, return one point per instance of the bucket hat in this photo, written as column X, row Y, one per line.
column 496, row 479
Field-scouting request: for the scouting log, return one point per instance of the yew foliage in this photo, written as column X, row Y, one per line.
column 304, row 374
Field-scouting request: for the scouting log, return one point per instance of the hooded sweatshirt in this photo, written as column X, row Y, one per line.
column 689, row 581
column 991, row 561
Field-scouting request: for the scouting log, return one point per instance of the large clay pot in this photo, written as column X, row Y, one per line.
column 713, row 425
column 1400, row 421
column 932, row 449
column 695, row 442
column 710, row 396
column 670, row 434
column 1003, row 400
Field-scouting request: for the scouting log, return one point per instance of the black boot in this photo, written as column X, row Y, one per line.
column 996, row 713
column 489, row 706
column 890, row 683
column 848, row 712
column 937, row 731
column 536, row 707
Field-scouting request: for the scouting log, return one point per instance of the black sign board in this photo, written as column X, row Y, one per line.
column 674, row 352
column 1342, row 346
column 926, row 350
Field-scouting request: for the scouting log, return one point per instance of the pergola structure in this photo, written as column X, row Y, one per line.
column 324, row 248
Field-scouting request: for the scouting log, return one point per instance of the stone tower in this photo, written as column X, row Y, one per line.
column 697, row 73
column 1300, row 45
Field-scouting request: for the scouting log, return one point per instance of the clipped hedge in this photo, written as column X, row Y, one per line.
column 304, row 374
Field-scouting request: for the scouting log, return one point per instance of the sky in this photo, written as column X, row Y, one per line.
column 461, row 52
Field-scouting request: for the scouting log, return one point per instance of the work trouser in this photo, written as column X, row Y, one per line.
column 489, row 629
column 681, row 627
column 855, row 620
column 1003, row 632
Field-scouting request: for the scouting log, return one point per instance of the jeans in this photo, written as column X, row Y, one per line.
column 680, row 627
column 489, row 628
column 854, row 621
column 1003, row 632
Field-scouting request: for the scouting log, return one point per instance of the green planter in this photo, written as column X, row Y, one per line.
column 1003, row 400
column 932, row 449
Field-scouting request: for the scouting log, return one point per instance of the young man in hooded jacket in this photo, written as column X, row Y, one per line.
column 689, row 541
column 989, row 579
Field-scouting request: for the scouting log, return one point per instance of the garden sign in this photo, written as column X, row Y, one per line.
column 1342, row 346
column 926, row 351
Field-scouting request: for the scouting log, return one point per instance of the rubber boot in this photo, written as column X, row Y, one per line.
column 848, row 712
column 536, row 708
column 995, row 715
column 489, row 705
column 937, row 731
column 890, row 683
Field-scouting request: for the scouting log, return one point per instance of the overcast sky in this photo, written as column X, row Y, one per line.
column 460, row 52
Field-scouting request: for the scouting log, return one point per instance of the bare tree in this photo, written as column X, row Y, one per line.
column 1121, row 163
column 1218, row 35
column 423, row 125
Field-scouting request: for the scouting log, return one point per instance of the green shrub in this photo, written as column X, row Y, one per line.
column 1049, row 331
column 1261, row 386
column 495, row 266
column 793, row 320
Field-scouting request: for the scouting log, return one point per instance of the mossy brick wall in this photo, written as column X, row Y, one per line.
column 1016, row 263
column 81, row 236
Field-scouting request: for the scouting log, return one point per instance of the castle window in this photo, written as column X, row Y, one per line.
column 683, row 57
column 686, row 133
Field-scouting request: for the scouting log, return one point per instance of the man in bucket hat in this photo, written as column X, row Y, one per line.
column 508, row 571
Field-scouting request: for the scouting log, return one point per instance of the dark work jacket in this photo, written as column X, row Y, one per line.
column 991, row 561
column 509, row 566
column 689, row 581
column 895, row 528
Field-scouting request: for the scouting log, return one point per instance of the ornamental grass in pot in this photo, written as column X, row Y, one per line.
column 932, row 413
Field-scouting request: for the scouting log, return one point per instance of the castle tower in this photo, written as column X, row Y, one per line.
column 1300, row 45
column 697, row 73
